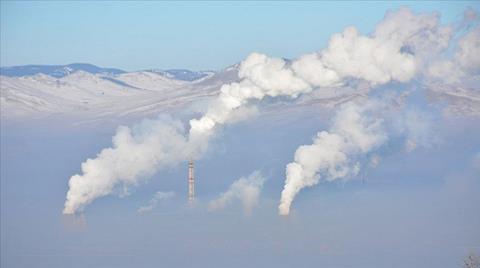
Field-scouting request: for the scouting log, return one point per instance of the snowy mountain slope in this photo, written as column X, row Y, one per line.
column 86, row 94
column 57, row 71
column 460, row 98
column 182, row 74
column 149, row 81
column 98, row 96
column 41, row 95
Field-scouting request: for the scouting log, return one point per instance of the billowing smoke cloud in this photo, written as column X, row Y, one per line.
column 395, row 51
column 246, row 190
column 416, row 128
column 401, row 45
column 137, row 153
column 356, row 131
column 466, row 60
column 261, row 76
column 158, row 197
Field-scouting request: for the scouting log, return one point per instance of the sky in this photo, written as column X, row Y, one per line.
column 191, row 35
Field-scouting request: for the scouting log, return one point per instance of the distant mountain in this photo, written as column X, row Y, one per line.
column 57, row 71
column 182, row 74
column 60, row 71
column 94, row 92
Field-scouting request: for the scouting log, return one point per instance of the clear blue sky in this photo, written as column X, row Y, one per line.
column 194, row 35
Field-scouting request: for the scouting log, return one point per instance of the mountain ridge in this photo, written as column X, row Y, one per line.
column 60, row 71
column 110, row 93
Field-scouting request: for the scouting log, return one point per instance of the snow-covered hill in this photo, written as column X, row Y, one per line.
column 59, row 71
column 56, row 71
column 182, row 74
column 93, row 93
column 96, row 92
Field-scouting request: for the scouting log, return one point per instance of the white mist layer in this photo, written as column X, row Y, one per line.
column 246, row 190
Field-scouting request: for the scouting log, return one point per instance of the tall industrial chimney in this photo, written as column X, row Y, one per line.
column 191, row 182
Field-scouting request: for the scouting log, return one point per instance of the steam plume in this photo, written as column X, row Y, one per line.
column 389, row 54
column 136, row 153
column 333, row 153
column 158, row 197
column 358, row 132
column 399, row 47
column 465, row 62
column 246, row 190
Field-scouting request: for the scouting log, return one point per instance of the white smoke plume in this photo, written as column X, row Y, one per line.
column 465, row 62
column 395, row 51
column 356, row 131
column 137, row 152
column 416, row 127
column 246, row 190
column 158, row 197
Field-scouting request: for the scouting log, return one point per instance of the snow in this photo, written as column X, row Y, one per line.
column 89, row 95
column 97, row 96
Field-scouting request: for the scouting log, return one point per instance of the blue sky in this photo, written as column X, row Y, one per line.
column 194, row 35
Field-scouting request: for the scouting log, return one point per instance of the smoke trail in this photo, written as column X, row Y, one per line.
column 392, row 53
column 356, row 131
column 465, row 62
column 246, row 190
column 360, row 130
column 395, row 51
column 159, row 196
column 136, row 153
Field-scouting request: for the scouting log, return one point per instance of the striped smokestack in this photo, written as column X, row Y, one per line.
column 191, row 182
